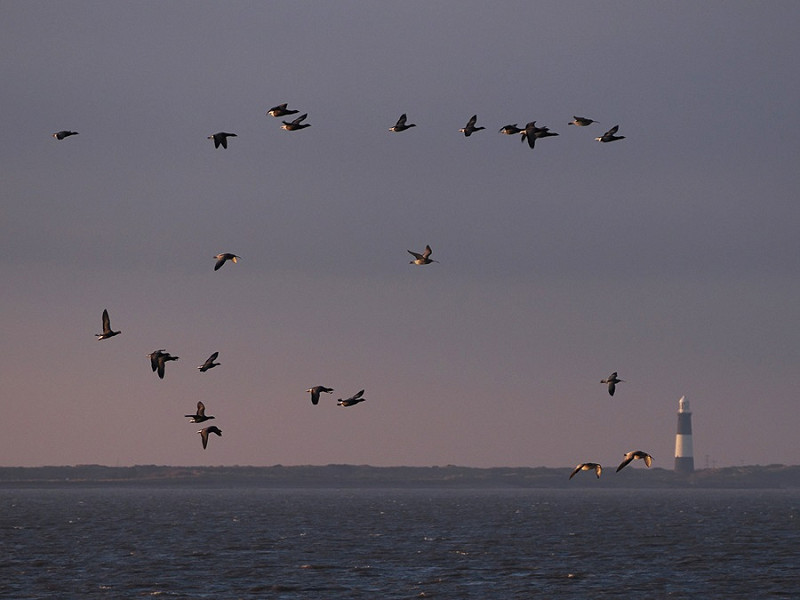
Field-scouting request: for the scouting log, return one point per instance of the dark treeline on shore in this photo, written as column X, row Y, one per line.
column 355, row 476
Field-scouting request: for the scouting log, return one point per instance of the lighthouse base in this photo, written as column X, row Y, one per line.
column 684, row 464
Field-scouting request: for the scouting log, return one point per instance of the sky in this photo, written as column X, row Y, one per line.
column 671, row 257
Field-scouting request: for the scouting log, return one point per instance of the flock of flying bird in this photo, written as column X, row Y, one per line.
column 159, row 358
column 530, row 133
column 611, row 381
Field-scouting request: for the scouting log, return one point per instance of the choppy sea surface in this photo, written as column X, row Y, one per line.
column 124, row 542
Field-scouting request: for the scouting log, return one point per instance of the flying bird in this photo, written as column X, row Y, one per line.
column 635, row 455
column 107, row 332
column 510, row 129
column 209, row 364
column 281, row 111
column 587, row 466
column 581, row 121
column 206, row 430
column 609, row 136
column 470, row 128
column 296, row 124
column 154, row 355
column 60, row 135
column 315, row 392
column 221, row 139
column 200, row 415
column 401, row 124
column 612, row 382
column 533, row 133
column 422, row 259
column 158, row 358
column 529, row 133
column 354, row 399
column 221, row 258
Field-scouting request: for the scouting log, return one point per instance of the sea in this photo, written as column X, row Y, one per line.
column 110, row 541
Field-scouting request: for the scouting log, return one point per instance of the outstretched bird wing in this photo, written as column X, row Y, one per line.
column 624, row 463
column 531, row 139
column 154, row 359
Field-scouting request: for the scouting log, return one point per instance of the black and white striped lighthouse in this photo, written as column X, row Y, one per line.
column 684, row 455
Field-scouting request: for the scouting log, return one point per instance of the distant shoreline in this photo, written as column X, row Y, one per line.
column 365, row 476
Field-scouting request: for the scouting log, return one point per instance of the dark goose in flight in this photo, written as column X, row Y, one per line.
column 107, row 332
column 352, row 400
column 315, row 392
column 221, row 139
column 209, row 364
column 281, row 111
column 533, row 133
column 200, row 416
column 581, row 121
column 401, row 124
column 206, row 430
column 296, row 124
column 158, row 358
column 470, row 128
column 609, row 136
column 510, row 129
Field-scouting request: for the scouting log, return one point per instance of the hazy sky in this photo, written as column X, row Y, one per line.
column 671, row 256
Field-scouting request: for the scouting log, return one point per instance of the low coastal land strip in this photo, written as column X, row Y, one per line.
column 365, row 476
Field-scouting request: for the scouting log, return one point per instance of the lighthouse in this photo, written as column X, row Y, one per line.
column 684, row 455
